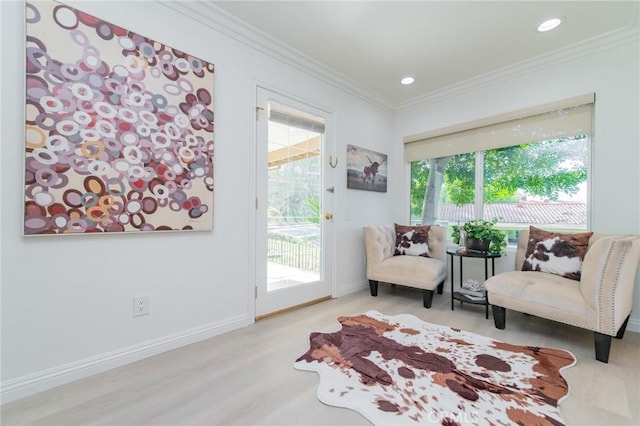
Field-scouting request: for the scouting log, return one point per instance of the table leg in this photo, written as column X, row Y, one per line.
column 486, row 305
column 486, row 299
column 451, row 258
column 486, row 270
column 461, row 302
column 493, row 273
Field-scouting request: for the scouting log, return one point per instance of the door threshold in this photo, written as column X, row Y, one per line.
column 292, row 308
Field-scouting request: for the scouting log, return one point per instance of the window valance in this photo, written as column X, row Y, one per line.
column 569, row 117
column 294, row 118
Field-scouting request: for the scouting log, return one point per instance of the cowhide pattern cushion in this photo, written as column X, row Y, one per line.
column 412, row 240
column 556, row 253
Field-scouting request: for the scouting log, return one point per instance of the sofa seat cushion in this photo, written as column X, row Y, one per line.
column 413, row 271
column 546, row 291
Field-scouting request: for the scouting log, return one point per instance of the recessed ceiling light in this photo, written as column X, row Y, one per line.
column 549, row 24
column 407, row 80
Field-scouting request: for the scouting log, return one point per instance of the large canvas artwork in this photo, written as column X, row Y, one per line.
column 366, row 169
column 119, row 129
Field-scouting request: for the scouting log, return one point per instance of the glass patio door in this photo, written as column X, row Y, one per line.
column 293, row 219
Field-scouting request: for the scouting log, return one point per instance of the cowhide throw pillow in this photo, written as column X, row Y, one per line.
column 556, row 253
column 412, row 240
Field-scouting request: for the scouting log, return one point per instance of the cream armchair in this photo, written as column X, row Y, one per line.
column 601, row 301
column 426, row 273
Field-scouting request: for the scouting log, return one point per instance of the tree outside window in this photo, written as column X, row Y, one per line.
column 540, row 183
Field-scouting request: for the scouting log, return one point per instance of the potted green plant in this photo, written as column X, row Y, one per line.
column 480, row 235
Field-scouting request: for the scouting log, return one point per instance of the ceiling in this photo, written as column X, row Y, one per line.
column 373, row 44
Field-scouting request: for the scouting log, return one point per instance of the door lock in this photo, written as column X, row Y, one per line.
column 328, row 216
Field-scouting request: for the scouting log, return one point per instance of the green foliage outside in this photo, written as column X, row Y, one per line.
column 294, row 199
column 419, row 177
column 313, row 210
column 460, row 180
column 294, row 192
column 543, row 169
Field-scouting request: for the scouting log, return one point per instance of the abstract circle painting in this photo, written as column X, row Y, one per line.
column 119, row 129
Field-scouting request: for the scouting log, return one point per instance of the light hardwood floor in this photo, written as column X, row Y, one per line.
column 246, row 377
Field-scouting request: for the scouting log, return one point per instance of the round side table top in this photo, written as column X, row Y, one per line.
column 461, row 251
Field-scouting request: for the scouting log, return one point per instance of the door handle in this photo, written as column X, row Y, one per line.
column 328, row 216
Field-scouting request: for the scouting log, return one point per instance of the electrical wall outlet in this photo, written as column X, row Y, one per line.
column 140, row 305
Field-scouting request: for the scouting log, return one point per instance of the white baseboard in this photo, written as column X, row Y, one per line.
column 13, row 389
column 352, row 288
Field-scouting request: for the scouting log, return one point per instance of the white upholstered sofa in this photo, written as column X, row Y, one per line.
column 426, row 273
column 600, row 301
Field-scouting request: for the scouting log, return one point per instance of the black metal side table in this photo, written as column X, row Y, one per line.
column 464, row 253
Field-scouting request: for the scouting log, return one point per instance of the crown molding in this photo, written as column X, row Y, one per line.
column 228, row 25
column 575, row 51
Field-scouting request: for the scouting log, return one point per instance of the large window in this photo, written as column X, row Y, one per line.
column 541, row 182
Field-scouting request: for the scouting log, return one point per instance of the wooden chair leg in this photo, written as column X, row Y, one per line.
column 603, row 345
column 623, row 327
column 499, row 316
column 440, row 287
column 427, row 298
column 373, row 286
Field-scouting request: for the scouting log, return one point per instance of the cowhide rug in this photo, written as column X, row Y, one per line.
column 402, row 370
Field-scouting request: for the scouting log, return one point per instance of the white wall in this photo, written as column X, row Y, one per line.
column 615, row 175
column 67, row 301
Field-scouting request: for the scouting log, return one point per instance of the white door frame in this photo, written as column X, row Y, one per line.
column 328, row 181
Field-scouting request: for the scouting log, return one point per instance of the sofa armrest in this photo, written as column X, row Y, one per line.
column 608, row 279
column 438, row 243
column 379, row 242
column 521, row 248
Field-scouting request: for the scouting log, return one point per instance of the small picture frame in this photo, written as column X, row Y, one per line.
column 366, row 169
